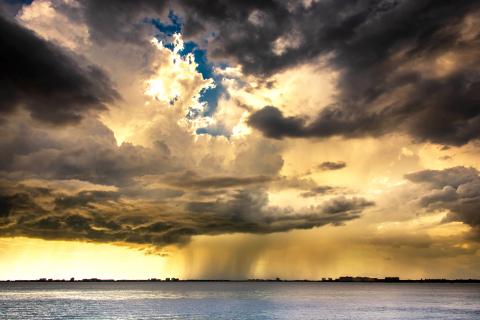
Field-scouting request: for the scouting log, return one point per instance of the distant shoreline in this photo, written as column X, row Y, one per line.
column 338, row 280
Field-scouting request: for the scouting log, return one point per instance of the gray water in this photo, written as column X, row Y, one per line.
column 186, row 300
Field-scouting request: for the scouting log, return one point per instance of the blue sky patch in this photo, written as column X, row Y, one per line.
column 19, row 1
column 211, row 95
column 168, row 29
column 207, row 69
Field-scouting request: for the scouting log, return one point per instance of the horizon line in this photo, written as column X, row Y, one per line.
column 324, row 279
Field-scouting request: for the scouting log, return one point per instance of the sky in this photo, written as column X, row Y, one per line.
column 219, row 139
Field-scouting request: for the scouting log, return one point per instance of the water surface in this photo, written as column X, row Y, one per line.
column 238, row 300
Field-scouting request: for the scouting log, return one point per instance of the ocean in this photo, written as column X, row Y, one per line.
column 238, row 300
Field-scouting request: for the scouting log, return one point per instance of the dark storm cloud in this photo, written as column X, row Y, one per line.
column 273, row 124
column 45, row 80
column 332, row 121
column 369, row 42
column 373, row 44
column 442, row 111
column 84, row 198
column 437, row 179
column 320, row 190
column 243, row 30
column 12, row 203
column 456, row 190
column 330, row 165
column 71, row 153
column 193, row 181
column 360, row 33
column 126, row 21
column 114, row 20
column 108, row 217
